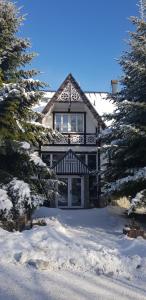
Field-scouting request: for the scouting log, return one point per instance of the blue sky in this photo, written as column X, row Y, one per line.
column 82, row 37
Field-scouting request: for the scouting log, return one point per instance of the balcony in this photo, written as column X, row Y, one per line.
column 88, row 139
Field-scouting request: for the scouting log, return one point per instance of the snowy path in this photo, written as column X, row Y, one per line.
column 24, row 284
column 80, row 254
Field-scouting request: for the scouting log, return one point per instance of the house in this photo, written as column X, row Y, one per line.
column 75, row 157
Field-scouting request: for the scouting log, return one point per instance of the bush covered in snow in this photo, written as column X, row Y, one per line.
column 25, row 182
column 17, row 200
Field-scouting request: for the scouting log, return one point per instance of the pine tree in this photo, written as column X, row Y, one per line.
column 126, row 139
column 25, row 181
column 19, row 91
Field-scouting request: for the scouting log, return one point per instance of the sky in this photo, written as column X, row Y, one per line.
column 82, row 37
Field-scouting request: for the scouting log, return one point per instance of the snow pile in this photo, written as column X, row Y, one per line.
column 76, row 241
column 53, row 249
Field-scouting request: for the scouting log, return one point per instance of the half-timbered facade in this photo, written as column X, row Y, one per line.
column 75, row 157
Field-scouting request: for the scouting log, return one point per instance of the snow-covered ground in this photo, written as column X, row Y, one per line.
column 80, row 254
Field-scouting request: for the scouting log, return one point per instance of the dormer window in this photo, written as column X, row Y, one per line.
column 69, row 122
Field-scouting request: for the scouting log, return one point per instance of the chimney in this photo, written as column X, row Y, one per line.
column 114, row 84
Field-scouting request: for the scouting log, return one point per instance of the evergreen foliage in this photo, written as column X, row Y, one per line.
column 125, row 172
column 20, row 133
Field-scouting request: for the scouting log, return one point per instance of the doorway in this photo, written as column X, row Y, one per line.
column 71, row 192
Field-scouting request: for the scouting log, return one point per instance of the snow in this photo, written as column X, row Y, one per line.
column 5, row 202
column 20, row 197
column 25, row 145
column 138, row 174
column 20, row 190
column 37, row 160
column 19, row 125
column 43, row 102
column 101, row 103
column 98, row 100
column 80, row 254
column 138, row 201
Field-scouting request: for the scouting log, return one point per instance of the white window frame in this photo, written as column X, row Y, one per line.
column 69, row 122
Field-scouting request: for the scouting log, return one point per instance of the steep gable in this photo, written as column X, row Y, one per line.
column 70, row 92
column 70, row 164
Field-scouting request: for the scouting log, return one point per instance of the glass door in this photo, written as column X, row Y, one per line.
column 70, row 192
column 63, row 192
column 76, row 192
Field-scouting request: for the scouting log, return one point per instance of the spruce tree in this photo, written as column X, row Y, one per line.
column 25, row 181
column 19, row 91
column 125, row 173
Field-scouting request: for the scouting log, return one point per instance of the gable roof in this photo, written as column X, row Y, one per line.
column 70, row 163
column 76, row 95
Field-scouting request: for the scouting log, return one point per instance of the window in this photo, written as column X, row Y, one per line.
column 92, row 161
column 73, row 122
column 56, row 157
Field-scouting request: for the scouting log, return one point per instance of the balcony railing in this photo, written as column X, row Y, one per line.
column 76, row 139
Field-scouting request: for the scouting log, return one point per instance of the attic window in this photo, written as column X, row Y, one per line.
column 73, row 122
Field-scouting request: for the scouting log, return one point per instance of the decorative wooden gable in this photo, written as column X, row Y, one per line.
column 70, row 164
column 71, row 92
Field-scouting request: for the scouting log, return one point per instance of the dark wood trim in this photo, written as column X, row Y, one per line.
column 72, row 174
column 84, row 128
column 68, row 112
column 77, row 152
column 67, row 145
column 81, row 133
column 69, row 134
column 99, row 166
column 53, row 120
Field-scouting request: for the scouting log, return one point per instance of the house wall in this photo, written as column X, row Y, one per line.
column 91, row 127
column 76, row 148
column 91, row 123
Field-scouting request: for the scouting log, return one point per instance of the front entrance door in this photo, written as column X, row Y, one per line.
column 71, row 192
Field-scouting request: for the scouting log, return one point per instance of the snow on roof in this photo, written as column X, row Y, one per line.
column 43, row 102
column 98, row 100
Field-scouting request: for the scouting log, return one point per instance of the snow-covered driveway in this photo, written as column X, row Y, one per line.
column 80, row 254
